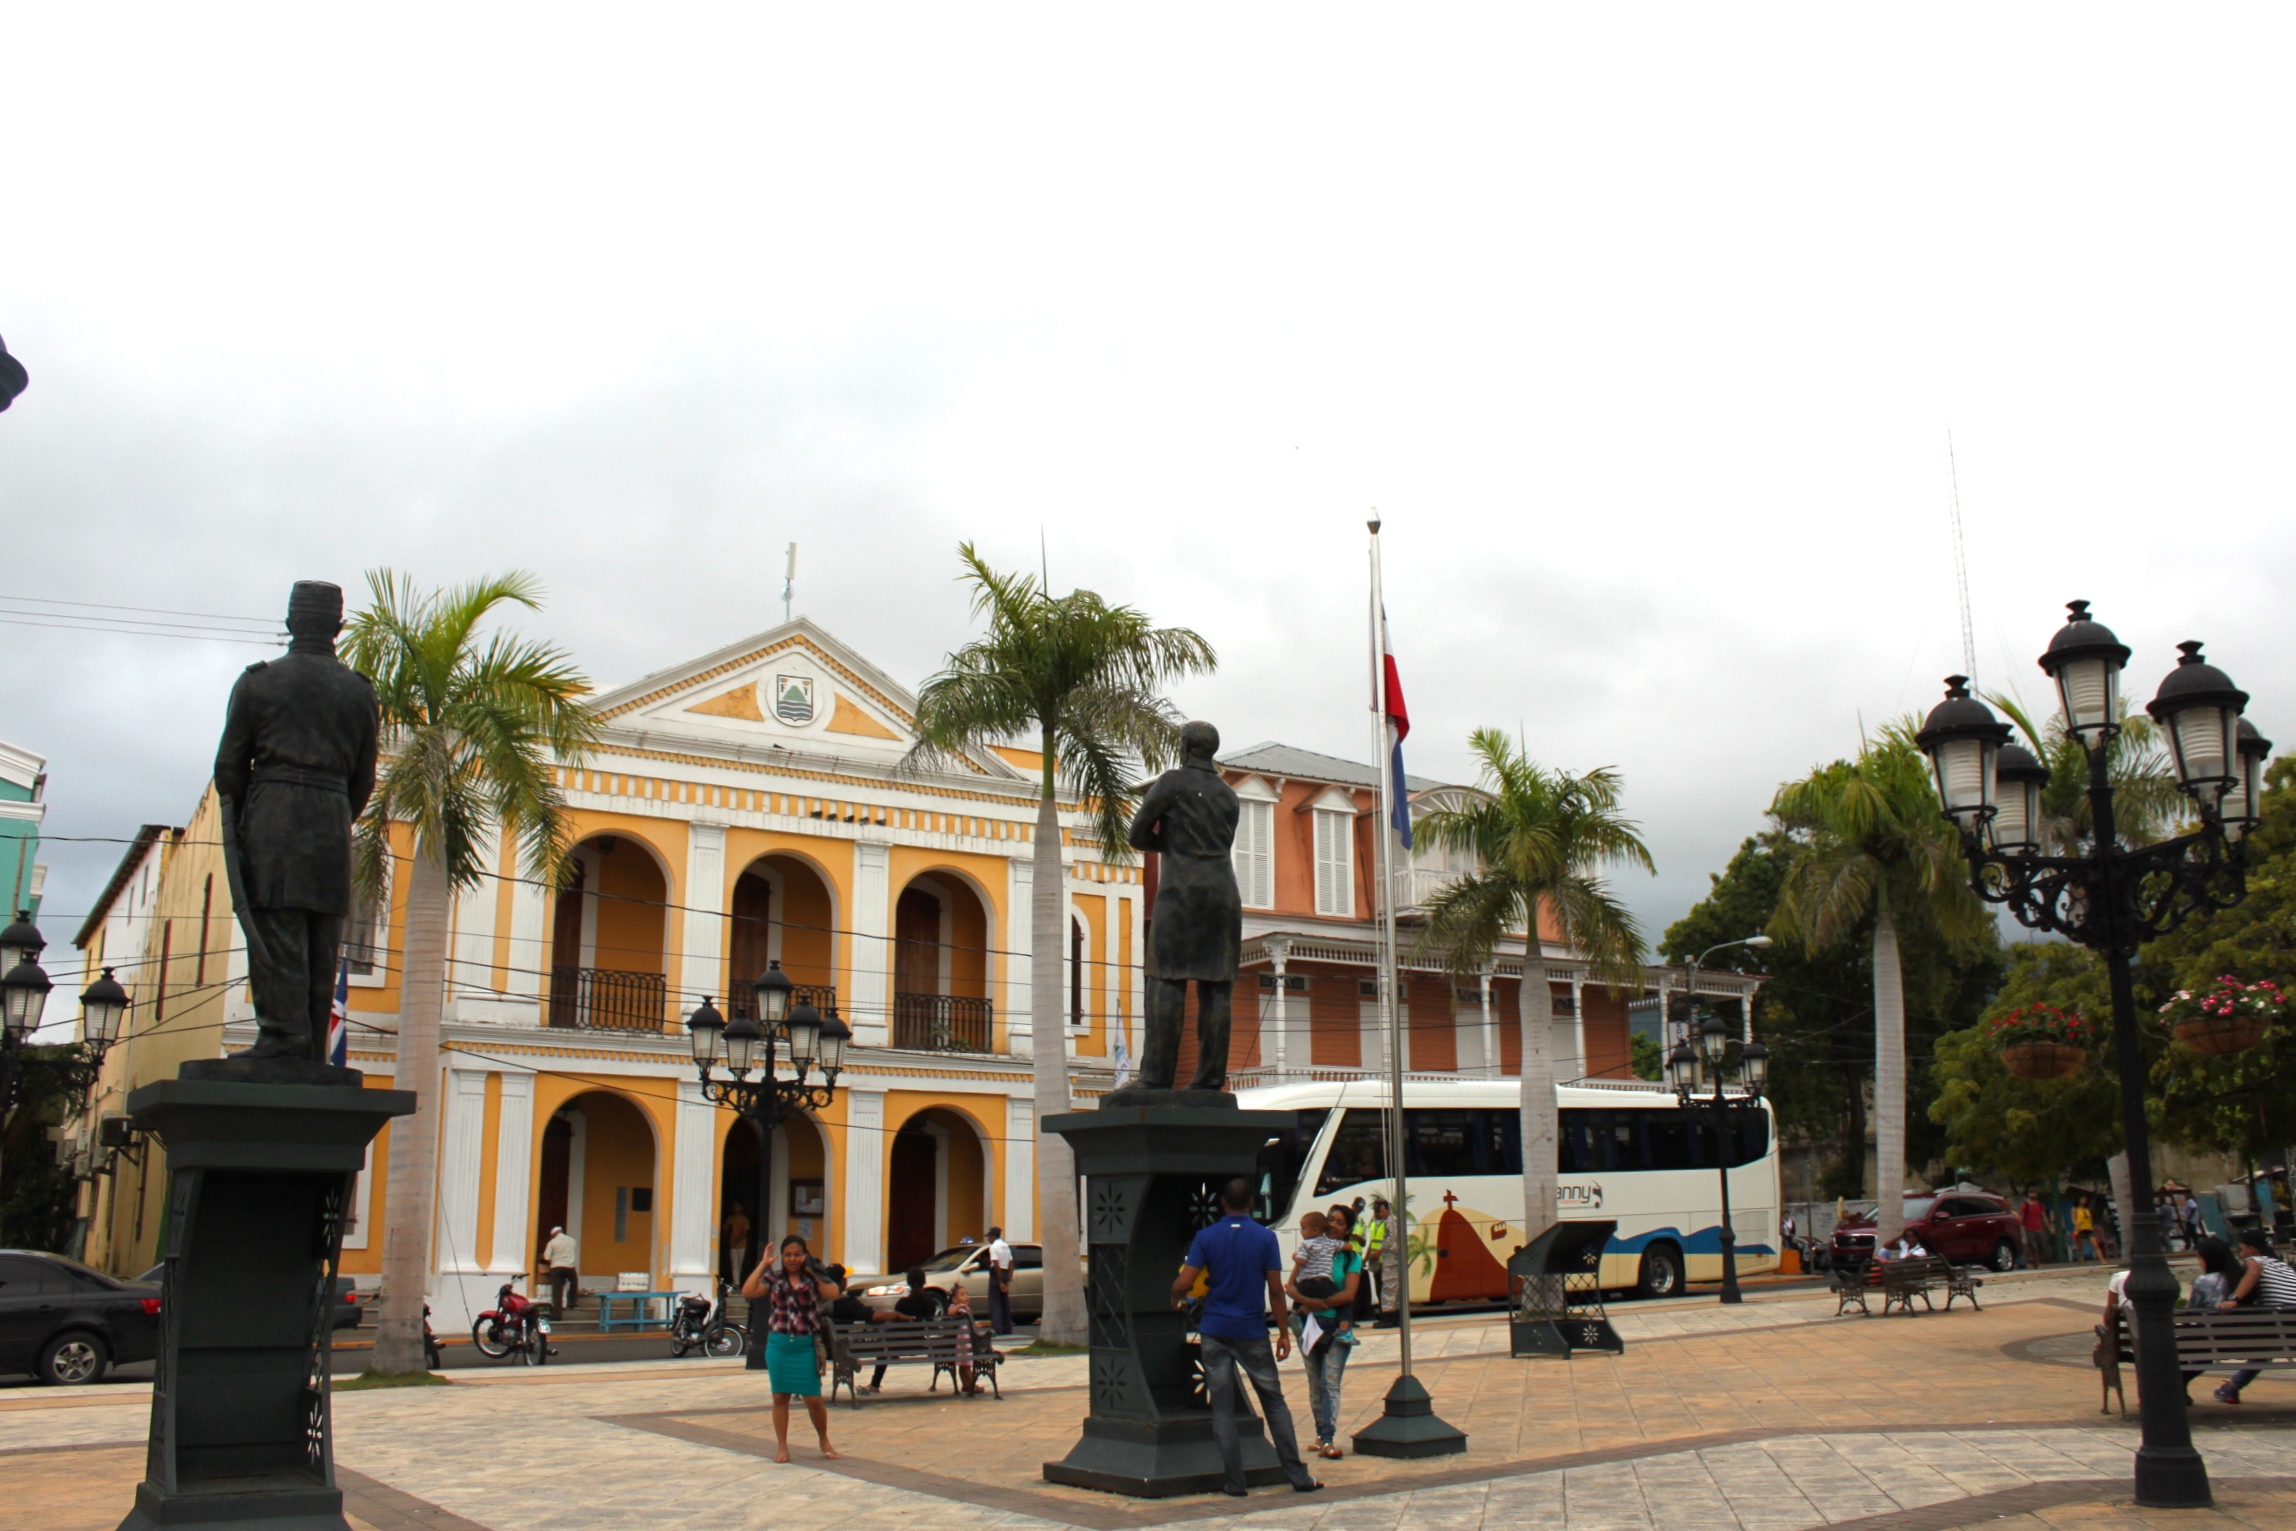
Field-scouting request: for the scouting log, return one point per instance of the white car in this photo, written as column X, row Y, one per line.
column 966, row 1265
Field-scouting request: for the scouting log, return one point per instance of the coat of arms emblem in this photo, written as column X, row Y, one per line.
column 793, row 698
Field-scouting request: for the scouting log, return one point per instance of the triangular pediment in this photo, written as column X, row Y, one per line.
column 794, row 687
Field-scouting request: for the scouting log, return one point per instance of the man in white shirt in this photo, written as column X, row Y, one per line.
column 1000, row 1283
column 560, row 1257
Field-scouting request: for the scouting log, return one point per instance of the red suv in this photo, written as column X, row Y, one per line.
column 1965, row 1227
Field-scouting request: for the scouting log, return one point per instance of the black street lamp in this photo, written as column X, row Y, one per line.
column 2112, row 898
column 747, row 1047
column 1702, row 1061
column 24, row 990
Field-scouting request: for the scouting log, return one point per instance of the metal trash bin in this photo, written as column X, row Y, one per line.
column 1554, row 1293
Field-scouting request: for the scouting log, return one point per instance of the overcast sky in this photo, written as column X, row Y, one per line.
column 1643, row 329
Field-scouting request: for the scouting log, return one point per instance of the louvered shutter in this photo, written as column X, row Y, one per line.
column 1334, row 864
column 1254, row 854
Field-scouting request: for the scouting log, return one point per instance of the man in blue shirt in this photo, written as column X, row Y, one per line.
column 1243, row 1265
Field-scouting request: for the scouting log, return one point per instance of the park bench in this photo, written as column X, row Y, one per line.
column 1901, row 1281
column 909, row 1342
column 2214, row 1341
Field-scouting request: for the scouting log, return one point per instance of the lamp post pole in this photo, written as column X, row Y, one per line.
column 1692, row 1066
column 745, row 1047
column 2110, row 898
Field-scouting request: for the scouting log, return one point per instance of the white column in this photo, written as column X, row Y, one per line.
column 1278, row 1014
column 1019, row 1221
column 472, row 970
column 514, row 1241
column 870, row 1008
column 701, row 968
column 1492, row 1068
column 1020, row 937
column 460, row 1285
column 1578, row 1021
column 865, row 1180
column 529, row 951
column 693, row 1176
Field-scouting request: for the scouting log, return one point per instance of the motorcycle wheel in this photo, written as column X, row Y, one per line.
column 725, row 1342
column 492, row 1343
column 678, row 1345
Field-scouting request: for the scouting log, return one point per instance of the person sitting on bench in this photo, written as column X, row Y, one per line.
column 915, row 1303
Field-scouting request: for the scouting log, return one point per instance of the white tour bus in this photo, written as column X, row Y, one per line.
column 1627, row 1152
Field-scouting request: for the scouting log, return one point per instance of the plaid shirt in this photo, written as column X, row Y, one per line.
column 791, row 1307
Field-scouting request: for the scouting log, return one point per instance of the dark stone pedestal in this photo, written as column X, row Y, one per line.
column 259, row 1177
column 1151, row 1177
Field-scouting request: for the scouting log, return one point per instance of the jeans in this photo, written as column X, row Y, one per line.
column 1257, row 1360
column 1000, row 1304
column 1323, row 1377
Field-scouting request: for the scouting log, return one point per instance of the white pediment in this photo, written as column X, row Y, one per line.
column 794, row 687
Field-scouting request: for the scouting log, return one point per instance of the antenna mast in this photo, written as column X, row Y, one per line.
column 789, row 588
column 1960, row 564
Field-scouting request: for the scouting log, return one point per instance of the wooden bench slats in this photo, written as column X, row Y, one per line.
column 2221, row 1341
column 908, row 1341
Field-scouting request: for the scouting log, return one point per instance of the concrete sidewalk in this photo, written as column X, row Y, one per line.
column 1772, row 1416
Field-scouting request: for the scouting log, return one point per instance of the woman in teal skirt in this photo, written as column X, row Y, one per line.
column 792, row 1285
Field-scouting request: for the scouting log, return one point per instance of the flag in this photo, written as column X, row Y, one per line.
column 339, row 1018
column 1399, row 722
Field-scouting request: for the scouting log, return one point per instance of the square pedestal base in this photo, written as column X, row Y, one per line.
column 1162, row 1460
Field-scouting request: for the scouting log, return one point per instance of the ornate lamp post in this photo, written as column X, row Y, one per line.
column 2111, row 898
column 1702, row 1062
column 749, row 1047
column 24, row 988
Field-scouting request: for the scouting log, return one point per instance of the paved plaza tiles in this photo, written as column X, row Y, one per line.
column 1774, row 1416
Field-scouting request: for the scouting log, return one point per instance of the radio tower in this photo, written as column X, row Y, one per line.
column 1960, row 565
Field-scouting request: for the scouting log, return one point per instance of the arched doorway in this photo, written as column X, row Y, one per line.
column 937, row 1191
column 796, row 1202
column 941, row 967
column 781, row 910
column 607, row 938
column 597, row 1182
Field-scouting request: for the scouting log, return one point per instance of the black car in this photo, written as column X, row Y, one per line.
column 65, row 1323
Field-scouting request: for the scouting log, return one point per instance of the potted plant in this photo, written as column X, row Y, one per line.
column 2229, row 1018
column 2040, row 1041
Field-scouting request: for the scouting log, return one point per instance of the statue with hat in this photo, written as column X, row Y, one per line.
column 295, row 768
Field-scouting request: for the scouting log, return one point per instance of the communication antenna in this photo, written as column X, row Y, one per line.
column 1960, row 564
column 789, row 588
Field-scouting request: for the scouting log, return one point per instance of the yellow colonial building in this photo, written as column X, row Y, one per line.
column 756, row 804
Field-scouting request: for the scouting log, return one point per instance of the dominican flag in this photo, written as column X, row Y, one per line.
column 339, row 1019
column 1399, row 726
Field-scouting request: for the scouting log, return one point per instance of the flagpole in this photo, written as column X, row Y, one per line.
column 1383, row 752
column 1408, row 1425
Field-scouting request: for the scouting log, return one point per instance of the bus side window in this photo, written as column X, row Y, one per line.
column 1671, row 1142
column 1439, row 1144
column 1499, row 1142
column 1753, row 1138
column 1358, row 1151
column 1588, row 1143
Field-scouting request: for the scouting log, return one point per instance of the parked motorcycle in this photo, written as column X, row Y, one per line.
column 515, row 1325
column 701, row 1324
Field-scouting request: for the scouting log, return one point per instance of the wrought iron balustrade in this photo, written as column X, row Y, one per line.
column 943, row 1023
column 821, row 996
column 602, row 999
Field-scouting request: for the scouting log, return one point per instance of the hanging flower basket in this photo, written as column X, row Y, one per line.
column 2041, row 1041
column 2229, row 1018
column 2043, row 1060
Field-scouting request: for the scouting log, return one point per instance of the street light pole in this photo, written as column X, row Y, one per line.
column 746, row 1046
column 1694, row 1065
column 2111, row 898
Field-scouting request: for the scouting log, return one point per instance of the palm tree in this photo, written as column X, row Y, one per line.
column 1539, row 839
column 1876, row 843
column 472, row 729
column 1085, row 678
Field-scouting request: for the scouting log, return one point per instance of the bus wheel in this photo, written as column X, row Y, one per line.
column 1661, row 1272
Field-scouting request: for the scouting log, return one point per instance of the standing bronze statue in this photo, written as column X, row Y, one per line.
column 295, row 767
column 1188, row 817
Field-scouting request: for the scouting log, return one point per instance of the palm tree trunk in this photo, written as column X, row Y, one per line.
column 413, row 1184
column 1888, row 1077
column 1535, row 1010
column 1063, row 1320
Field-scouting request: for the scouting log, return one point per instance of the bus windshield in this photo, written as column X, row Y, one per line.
column 1282, row 1159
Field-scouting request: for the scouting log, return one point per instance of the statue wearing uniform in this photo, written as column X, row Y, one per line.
column 1188, row 817
column 295, row 767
